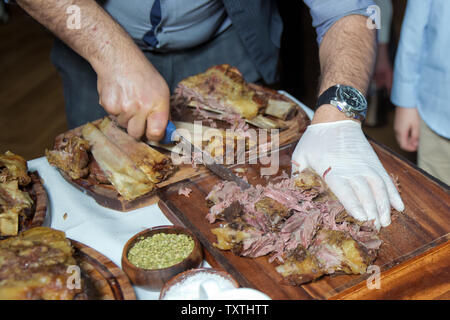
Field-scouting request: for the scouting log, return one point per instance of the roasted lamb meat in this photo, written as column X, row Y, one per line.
column 101, row 153
column 14, row 167
column 70, row 155
column 120, row 170
column 34, row 265
column 298, row 222
column 331, row 252
column 155, row 165
column 222, row 87
column 221, row 93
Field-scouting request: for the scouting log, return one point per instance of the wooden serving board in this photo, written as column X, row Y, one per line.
column 424, row 277
column 106, row 279
column 423, row 225
column 39, row 195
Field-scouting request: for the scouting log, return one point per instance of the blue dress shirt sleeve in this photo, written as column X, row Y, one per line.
column 408, row 58
column 325, row 13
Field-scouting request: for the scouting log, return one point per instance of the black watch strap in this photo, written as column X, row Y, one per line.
column 327, row 96
column 346, row 99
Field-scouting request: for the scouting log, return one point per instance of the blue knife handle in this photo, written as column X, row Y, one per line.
column 170, row 129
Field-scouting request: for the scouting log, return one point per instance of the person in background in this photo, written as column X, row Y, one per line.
column 421, row 87
column 126, row 56
column 381, row 84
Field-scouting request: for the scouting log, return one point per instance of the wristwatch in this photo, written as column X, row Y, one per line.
column 346, row 99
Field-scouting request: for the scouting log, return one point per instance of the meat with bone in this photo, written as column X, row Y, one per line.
column 154, row 164
column 100, row 153
column 221, row 93
column 121, row 171
column 15, row 202
column 222, row 87
column 337, row 251
column 298, row 222
column 96, row 173
column 34, row 266
column 278, row 105
column 14, row 167
column 300, row 267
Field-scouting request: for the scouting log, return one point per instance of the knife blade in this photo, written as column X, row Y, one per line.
column 218, row 169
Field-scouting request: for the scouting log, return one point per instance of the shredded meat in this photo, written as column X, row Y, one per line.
column 154, row 164
column 297, row 221
column 185, row 192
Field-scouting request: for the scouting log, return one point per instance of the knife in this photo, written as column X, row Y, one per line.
column 220, row 170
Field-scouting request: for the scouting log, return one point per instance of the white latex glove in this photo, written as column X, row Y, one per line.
column 356, row 177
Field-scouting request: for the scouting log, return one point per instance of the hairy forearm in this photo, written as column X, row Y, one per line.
column 99, row 39
column 129, row 87
column 347, row 55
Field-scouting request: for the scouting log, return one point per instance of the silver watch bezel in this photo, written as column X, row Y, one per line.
column 347, row 109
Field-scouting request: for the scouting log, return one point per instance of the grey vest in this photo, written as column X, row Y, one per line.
column 259, row 26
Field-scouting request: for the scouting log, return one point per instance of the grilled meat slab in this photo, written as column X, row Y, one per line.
column 34, row 266
column 154, row 164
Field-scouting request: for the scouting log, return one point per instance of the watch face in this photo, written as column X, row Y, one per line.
column 352, row 97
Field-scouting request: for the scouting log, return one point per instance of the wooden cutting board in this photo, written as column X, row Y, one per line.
column 424, row 225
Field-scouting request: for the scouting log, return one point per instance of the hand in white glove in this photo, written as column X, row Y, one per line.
column 355, row 174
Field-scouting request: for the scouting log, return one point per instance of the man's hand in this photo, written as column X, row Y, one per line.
column 134, row 91
column 128, row 85
column 340, row 153
column 334, row 146
column 407, row 128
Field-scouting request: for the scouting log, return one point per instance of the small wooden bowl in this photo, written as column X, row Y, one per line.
column 189, row 273
column 154, row 279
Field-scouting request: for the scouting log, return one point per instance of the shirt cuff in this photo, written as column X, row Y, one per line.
column 325, row 13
